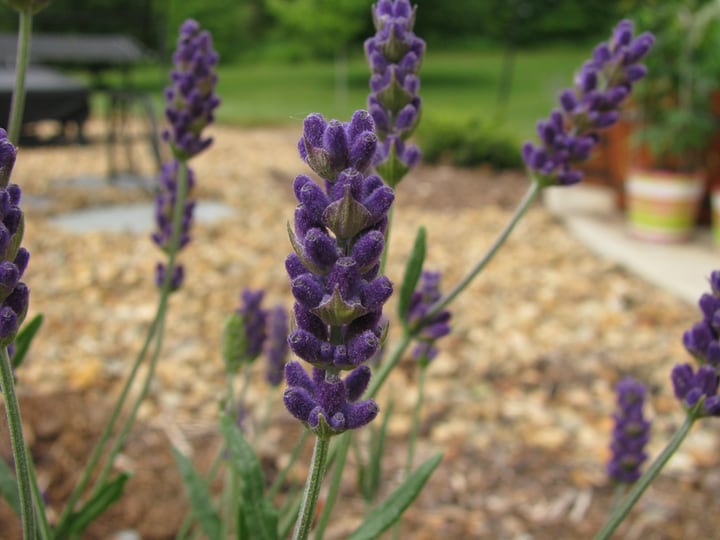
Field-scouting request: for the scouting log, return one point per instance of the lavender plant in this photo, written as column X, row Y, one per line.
column 338, row 237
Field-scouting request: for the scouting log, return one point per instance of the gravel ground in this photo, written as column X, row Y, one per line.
column 518, row 399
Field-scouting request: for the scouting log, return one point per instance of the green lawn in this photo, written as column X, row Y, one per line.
column 455, row 87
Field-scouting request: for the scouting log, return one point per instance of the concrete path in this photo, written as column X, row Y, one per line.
column 589, row 214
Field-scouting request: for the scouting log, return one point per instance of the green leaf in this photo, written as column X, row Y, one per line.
column 199, row 496
column 378, row 450
column 383, row 516
column 259, row 515
column 413, row 269
column 101, row 501
column 24, row 339
column 8, row 487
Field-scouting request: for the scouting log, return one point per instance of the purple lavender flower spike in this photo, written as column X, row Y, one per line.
column 338, row 239
column 277, row 346
column 245, row 331
column 600, row 87
column 425, row 296
column 165, row 202
column 254, row 321
column 703, row 339
column 8, row 153
column 191, row 100
column 14, row 294
column 630, row 434
column 394, row 54
column 697, row 390
column 326, row 404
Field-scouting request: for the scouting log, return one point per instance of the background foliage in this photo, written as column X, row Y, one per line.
column 303, row 28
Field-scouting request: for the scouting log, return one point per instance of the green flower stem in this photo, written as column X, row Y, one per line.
column 413, row 435
column 174, row 246
column 17, row 106
column 642, row 484
column 44, row 531
column 523, row 206
column 19, row 450
column 312, row 488
column 342, row 447
column 415, row 426
column 127, row 425
column 107, row 431
column 158, row 322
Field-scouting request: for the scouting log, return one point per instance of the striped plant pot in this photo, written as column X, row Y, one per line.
column 715, row 204
column 662, row 206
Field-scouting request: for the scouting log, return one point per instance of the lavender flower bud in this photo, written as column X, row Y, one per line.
column 8, row 153
column 630, row 434
column 277, row 345
column 600, row 87
column 326, row 404
column 438, row 326
column 14, row 295
column 191, row 100
column 331, row 147
column 697, row 389
column 703, row 339
column 176, row 280
column 394, row 54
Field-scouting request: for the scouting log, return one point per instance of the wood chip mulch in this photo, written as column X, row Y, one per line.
column 519, row 399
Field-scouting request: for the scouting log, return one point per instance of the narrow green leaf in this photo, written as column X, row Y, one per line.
column 377, row 451
column 8, row 486
column 413, row 269
column 199, row 495
column 259, row 515
column 101, row 501
column 24, row 339
column 383, row 516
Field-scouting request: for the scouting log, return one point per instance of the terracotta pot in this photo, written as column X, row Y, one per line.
column 662, row 206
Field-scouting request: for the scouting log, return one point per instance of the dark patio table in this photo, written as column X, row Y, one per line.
column 53, row 96
column 94, row 52
column 50, row 96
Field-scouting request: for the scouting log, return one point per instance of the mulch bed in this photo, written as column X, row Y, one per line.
column 519, row 399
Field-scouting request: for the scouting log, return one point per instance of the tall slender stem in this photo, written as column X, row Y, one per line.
column 343, row 446
column 520, row 211
column 110, row 425
column 158, row 322
column 415, row 426
column 19, row 450
column 312, row 488
column 17, row 106
column 130, row 420
column 174, row 246
column 617, row 517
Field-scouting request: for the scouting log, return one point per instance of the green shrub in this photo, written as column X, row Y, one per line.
column 468, row 145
